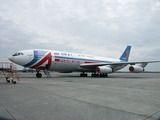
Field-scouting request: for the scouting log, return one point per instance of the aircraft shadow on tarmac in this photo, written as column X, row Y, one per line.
column 78, row 76
column 2, row 118
column 110, row 77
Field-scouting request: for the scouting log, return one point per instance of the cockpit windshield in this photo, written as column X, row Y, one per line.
column 17, row 54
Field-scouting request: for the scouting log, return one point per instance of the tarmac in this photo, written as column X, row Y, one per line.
column 121, row 96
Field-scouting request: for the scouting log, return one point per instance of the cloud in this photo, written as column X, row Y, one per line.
column 97, row 27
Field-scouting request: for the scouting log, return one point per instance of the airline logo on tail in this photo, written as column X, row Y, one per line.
column 125, row 55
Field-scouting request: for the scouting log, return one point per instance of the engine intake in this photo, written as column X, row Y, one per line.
column 136, row 69
column 104, row 69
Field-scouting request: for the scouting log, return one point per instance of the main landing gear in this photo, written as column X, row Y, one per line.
column 99, row 75
column 93, row 75
column 83, row 74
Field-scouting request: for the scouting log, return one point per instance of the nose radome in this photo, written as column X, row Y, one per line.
column 11, row 58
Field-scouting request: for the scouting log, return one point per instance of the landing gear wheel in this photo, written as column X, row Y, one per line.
column 8, row 81
column 99, row 75
column 83, row 75
column 38, row 75
column 94, row 75
column 14, row 82
column 106, row 75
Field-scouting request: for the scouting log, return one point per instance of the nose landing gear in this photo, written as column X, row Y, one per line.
column 38, row 75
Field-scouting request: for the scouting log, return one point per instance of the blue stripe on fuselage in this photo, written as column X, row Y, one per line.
column 37, row 56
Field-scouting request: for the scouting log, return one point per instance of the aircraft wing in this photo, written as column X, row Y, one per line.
column 94, row 65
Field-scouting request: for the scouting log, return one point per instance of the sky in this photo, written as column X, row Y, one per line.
column 95, row 27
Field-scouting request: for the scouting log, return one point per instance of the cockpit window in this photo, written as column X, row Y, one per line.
column 15, row 54
column 18, row 53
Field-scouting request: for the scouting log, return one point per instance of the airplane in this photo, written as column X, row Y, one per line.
column 67, row 62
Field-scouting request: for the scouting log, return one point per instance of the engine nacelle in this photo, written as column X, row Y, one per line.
column 136, row 69
column 104, row 69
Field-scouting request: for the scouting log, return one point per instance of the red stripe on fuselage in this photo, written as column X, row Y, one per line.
column 73, row 61
column 57, row 60
column 90, row 62
column 48, row 57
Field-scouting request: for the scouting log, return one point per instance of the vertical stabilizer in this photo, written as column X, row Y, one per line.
column 125, row 55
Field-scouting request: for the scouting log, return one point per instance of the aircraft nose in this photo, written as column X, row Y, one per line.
column 11, row 58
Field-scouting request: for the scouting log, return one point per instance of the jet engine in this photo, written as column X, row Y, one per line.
column 104, row 69
column 136, row 69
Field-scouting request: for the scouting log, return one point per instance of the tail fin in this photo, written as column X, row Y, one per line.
column 125, row 55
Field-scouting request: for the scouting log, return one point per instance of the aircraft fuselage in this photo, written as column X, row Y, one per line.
column 58, row 60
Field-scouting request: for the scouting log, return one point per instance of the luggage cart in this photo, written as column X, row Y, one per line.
column 10, row 72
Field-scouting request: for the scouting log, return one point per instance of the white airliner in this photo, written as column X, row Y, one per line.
column 66, row 62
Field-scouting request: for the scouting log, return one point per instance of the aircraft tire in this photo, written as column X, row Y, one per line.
column 101, row 75
column 8, row 81
column 38, row 75
column 14, row 82
column 106, row 75
column 94, row 75
column 83, row 75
